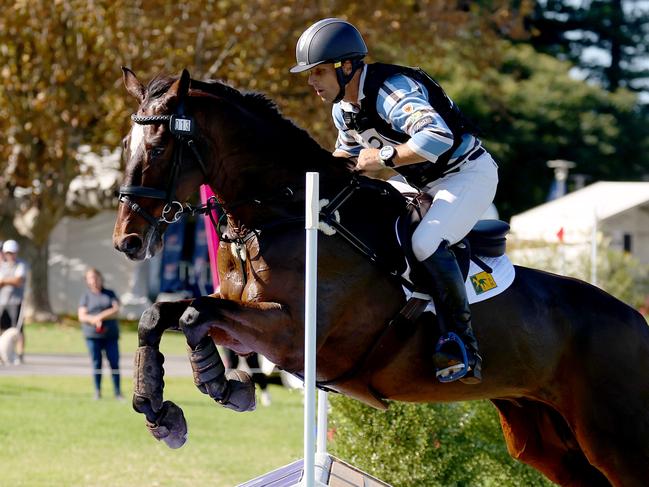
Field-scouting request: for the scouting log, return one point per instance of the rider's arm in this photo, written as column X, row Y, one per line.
column 403, row 103
column 342, row 153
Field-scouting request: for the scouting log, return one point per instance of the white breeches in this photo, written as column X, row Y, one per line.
column 459, row 200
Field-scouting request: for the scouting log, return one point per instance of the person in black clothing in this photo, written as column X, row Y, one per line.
column 400, row 118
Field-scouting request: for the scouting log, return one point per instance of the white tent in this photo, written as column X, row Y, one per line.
column 618, row 210
column 79, row 243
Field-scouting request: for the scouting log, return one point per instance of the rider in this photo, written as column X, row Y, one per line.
column 398, row 117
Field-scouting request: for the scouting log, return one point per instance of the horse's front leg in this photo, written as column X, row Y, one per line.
column 234, row 389
column 164, row 419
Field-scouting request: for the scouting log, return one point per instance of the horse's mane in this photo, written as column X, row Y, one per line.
column 257, row 103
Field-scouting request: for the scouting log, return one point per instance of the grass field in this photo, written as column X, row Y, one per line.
column 67, row 338
column 53, row 434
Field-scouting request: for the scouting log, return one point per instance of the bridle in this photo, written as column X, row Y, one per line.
column 183, row 129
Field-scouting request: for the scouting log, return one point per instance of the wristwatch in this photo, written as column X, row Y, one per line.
column 386, row 155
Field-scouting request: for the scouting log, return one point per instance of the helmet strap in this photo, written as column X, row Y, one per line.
column 344, row 79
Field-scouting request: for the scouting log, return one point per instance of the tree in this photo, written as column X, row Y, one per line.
column 60, row 82
column 530, row 110
column 608, row 39
column 52, row 82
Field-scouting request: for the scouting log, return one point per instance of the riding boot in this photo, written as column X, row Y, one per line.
column 453, row 313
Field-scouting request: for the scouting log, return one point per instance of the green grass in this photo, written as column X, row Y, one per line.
column 67, row 338
column 53, row 434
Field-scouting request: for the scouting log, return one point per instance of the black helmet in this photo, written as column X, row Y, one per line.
column 327, row 41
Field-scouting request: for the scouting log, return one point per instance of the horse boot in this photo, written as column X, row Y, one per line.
column 456, row 354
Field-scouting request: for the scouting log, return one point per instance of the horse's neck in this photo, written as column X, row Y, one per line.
column 269, row 161
column 255, row 190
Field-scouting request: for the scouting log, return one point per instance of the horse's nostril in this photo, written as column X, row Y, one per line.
column 131, row 245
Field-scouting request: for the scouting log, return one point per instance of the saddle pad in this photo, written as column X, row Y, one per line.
column 480, row 285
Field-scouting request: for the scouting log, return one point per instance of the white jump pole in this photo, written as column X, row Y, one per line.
column 310, row 306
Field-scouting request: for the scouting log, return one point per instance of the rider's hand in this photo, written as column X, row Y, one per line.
column 368, row 160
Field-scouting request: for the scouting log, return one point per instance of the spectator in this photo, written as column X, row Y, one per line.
column 13, row 274
column 98, row 310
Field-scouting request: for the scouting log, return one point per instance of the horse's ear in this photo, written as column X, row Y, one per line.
column 178, row 90
column 184, row 81
column 133, row 85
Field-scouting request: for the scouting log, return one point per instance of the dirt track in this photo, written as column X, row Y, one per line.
column 40, row 364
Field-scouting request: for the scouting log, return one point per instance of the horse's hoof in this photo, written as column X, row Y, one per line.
column 241, row 392
column 171, row 426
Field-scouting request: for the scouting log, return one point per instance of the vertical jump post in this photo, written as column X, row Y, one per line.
column 331, row 471
column 310, row 316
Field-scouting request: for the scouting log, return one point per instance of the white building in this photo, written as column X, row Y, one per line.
column 617, row 210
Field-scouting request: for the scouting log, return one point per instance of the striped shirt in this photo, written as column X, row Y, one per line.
column 403, row 103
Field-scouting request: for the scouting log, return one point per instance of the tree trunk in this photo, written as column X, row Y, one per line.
column 38, row 306
column 614, row 71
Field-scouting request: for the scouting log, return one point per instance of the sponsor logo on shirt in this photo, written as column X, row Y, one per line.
column 421, row 123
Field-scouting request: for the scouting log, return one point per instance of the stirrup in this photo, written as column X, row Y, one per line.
column 455, row 371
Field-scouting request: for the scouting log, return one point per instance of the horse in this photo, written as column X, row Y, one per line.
column 564, row 362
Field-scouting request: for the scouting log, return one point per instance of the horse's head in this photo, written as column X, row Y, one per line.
column 162, row 168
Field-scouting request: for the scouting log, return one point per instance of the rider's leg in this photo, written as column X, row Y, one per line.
column 459, row 200
column 453, row 312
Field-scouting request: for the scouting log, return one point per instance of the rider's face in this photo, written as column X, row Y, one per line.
column 324, row 81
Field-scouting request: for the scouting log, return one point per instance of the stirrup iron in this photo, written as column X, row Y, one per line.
column 455, row 371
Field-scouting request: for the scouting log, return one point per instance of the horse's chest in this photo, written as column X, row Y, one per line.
column 242, row 271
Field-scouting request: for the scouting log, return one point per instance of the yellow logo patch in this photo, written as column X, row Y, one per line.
column 483, row 282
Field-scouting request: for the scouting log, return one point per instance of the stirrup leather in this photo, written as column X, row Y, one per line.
column 455, row 371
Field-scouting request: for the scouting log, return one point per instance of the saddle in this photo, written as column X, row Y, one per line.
column 487, row 238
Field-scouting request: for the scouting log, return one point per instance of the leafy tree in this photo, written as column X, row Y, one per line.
column 60, row 82
column 618, row 29
column 618, row 273
column 530, row 110
column 60, row 88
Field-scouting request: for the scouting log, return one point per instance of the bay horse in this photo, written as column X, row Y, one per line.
column 565, row 363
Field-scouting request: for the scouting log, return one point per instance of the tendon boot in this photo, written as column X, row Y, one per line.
column 456, row 354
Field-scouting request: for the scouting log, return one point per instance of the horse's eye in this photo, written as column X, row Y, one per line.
column 156, row 152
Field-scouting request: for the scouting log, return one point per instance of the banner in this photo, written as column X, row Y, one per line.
column 200, row 259
column 211, row 237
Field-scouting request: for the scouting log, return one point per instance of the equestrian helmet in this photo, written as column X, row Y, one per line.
column 328, row 41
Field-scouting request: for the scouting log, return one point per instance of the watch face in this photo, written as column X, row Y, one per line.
column 386, row 152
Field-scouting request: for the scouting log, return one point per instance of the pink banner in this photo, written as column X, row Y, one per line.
column 212, row 238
